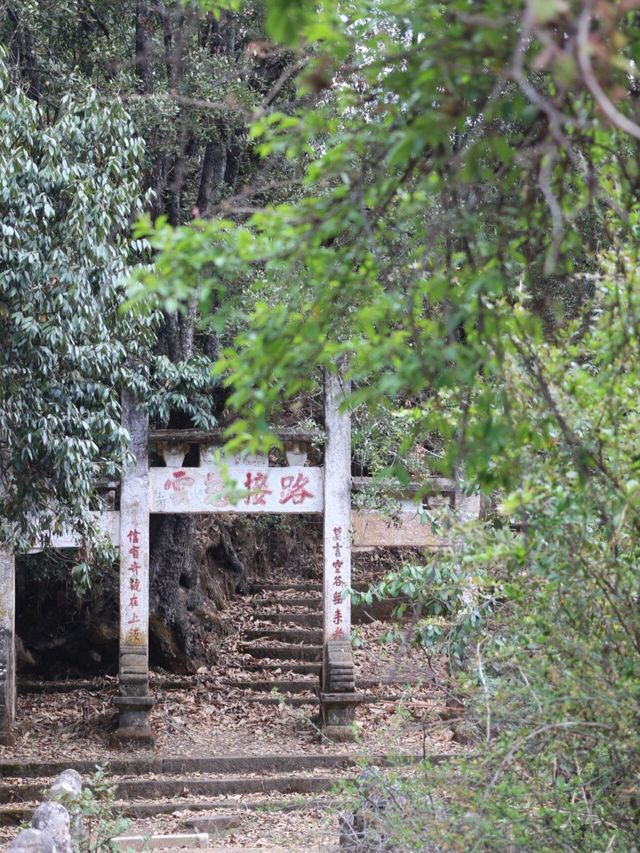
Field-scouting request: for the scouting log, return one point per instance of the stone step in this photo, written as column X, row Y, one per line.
column 296, row 701
column 301, row 700
column 66, row 686
column 312, row 620
column 267, row 685
column 15, row 813
column 284, row 652
column 304, row 586
column 361, row 614
column 98, row 685
column 189, row 786
column 167, row 842
column 216, row 764
column 313, row 603
column 151, row 808
column 284, row 635
column 212, row 824
column 304, row 668
column 301, row 685
column 215, row 822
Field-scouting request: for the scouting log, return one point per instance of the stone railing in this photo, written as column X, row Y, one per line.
column 52, row 828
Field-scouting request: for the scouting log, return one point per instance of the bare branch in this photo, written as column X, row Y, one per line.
column 614, row 115
column 545, row 175
column 286, row 75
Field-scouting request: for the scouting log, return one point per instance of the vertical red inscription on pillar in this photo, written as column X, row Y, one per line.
column 338, row 582
column 134, row 620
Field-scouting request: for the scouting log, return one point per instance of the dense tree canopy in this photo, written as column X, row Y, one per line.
column 66, row 348
column 451, row 179
column 69, row 187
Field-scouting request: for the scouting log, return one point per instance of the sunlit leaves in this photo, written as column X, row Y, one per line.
column 67, row 192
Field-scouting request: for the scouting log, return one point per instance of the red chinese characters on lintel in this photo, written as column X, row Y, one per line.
column 179, row 484
column 258, row 486
column 134, row 584
column 338, row 582
column 293, row 489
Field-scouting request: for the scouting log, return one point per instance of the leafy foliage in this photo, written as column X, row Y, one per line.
column 67, row 192
column 467, row 235
column 68, row 189
column 95, row 808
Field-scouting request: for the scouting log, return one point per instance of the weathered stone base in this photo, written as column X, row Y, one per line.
column 7, row 738
column 133, row 736
column 133, row 721
column 339, row 734
column 338, row 715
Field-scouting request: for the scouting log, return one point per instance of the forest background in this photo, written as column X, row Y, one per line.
column 446, row 194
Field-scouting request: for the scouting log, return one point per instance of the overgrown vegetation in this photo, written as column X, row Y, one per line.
column 94, row 809
column 467, row 235
column 447, row 194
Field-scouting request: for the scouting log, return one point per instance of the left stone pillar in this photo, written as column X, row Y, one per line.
column 134, row 702
column 7, row 647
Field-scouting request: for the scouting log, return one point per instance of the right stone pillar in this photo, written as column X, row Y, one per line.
column 338, row 697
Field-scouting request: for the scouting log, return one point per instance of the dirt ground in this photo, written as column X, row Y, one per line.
column 212, row 718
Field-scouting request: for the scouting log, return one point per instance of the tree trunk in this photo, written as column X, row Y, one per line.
column 175, row 593
column 179, row 584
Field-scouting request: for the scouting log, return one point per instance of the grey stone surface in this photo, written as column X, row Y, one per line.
column 198, row 841
column 339, row 675
column 133, row 719
column 66, row 786
column 337, row 508
column 32, row 841
column 52, row 818
column 7, row 647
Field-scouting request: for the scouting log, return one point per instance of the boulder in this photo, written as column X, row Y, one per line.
column 53, row 819
column 32, row 841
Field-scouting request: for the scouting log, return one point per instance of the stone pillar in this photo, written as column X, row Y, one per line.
column 467, row 507
column 338, row 696
column 7, row 647
column 134, row 702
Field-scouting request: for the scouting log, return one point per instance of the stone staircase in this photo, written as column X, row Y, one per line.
column 281, row 646
column 273, row 660
column 146, row 787
column 219, row 795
